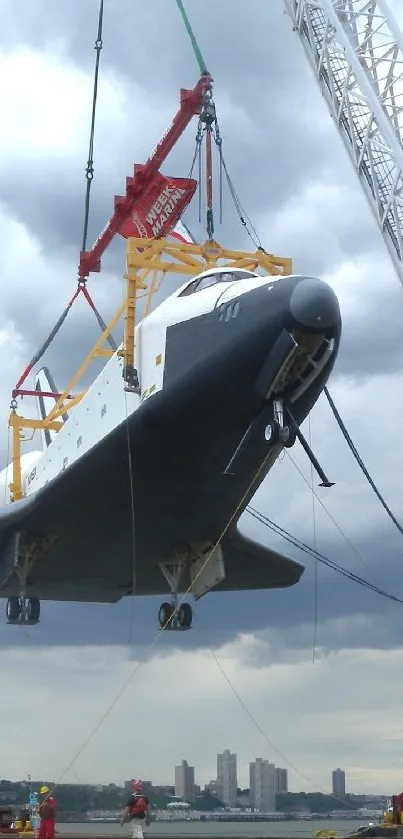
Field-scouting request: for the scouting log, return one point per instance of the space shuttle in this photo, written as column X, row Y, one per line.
column 141, row 490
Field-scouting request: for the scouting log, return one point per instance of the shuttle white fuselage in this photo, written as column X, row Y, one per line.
column 140, row 485
column 106, row 403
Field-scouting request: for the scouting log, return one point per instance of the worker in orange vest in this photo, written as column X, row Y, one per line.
column 137, row 810
column 47, row 813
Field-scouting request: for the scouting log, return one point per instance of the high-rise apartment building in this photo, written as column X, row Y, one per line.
column 262, row 781
column 339, row 783
column 227, row 781
column 185, row 781
column 281, row 780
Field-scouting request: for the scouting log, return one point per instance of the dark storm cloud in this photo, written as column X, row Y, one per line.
column 270, row 144
column 149, row 42
column 51, row 207
column 370, row 620
column 371, row 342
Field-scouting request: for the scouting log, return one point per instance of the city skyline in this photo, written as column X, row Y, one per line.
column 76, row 798
column 265, row 781
column 150, row 786
column 184, row 783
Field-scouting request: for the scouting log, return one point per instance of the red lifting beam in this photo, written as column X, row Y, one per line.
column 50, row 393
column 190, row 105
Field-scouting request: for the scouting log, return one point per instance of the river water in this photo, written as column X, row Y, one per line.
column 199, row 830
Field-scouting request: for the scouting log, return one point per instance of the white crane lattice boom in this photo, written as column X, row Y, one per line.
column 355, row 49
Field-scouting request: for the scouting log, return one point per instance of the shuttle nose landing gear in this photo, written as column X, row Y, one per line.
column 276, row 431
column 23, row 610
column 170, row 615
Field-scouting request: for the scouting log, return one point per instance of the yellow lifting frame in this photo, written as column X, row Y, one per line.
column 17, row 423
column 192, row 259
column 143, row 257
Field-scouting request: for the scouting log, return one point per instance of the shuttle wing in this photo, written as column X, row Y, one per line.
column 250, row 565
column 88, row 511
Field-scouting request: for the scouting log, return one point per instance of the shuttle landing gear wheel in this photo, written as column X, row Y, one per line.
column 23, row 610
column 170, row 615
column 33, row 610
column 165, row 614
column 272, row 432
column 175, row 620
column 13, row 609
column 276, row 431
column 291, row 438
column 185, row 615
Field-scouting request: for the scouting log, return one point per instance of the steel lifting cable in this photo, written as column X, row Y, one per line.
column 328, row 513
column 316, row 578
column 243, row 216
column 38, row 355
column 257, row 724
column 89, row 175
column 360, row 462
column 81, row 289
column 156, row 638
column 132, row 516
column 307, row 549
column 89, row 172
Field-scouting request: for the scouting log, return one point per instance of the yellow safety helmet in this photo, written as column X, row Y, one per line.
column 44, row 790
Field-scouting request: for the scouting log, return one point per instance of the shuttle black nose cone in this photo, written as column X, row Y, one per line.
column 314, row 304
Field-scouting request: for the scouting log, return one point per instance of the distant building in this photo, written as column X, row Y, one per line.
column 147, row 787
column 227, row 781
column 339, row 783
column 185, row 781
column 281, row 780
column 164, row 789
column 212, row 788
column 243, row 800
column 262, row 779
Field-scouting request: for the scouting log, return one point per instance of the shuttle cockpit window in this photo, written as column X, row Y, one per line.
column 214, row 278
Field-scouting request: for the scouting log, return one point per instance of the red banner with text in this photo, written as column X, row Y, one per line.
column 159, row 209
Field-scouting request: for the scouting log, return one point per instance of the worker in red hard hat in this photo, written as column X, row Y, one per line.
column 47, row 813
column 137, row 809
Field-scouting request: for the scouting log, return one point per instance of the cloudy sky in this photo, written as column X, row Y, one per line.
column 295, row 180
